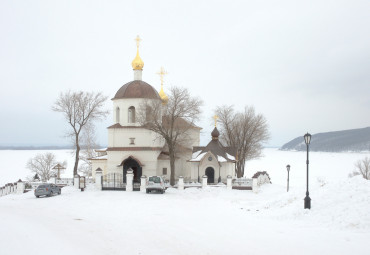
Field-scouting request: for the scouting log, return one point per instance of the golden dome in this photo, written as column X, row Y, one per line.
column 163, row 96
column 137, row 63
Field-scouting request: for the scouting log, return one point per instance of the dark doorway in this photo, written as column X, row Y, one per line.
column 134, row 165
column 210, row 172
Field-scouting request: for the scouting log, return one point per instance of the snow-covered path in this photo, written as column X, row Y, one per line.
column 194, row 221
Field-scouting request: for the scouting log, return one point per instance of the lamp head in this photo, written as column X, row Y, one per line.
column 307, row 138
column 288, row 168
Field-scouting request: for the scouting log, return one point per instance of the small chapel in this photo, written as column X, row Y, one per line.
column 131, row 146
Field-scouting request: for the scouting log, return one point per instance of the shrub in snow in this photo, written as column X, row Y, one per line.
column 362, row 167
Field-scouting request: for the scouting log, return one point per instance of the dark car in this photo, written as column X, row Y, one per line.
column 48, row 190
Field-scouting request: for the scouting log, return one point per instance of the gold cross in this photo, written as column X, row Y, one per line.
column 137, row 39
column 215, row 118
column 162, row 73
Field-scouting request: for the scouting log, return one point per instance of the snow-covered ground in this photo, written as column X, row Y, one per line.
column 202, row 221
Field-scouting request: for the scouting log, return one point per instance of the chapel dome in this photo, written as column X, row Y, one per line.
column 137, row 89
column 215, row 133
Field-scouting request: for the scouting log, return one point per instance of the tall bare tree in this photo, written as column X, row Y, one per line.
column 173, row 121
column 246, row 131
column 88, row 146
column 79, row 109
column 42, row 165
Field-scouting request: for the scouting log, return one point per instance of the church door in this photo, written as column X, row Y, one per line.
column 210, row 172
column 134, row 165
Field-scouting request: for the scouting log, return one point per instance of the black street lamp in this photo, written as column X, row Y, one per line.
column 307, row 199
column 219, row 175
column 288, row 168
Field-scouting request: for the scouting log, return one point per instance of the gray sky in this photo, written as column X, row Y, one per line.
column 305, row 65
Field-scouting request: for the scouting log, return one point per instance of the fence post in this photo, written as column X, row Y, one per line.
column 143, row 183
column 98, row 179
column 129, row 179
column 229, row 182
column 255, row 185
column 20, row 187
column 204, row 184
column 76, row 181
column 180, row 184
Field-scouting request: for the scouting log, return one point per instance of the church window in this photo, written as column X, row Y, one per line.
column 131, row 114
column 132, row 140
column 117, row 115
column 165, row 171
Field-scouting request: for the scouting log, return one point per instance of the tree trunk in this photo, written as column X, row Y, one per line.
column 77, row 158
column 240, row 169
column 172, row 165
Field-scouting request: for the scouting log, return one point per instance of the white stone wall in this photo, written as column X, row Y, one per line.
column 124, row 104
column 120, row 137
column 227, row 168
column 147, row 158
column 98, row 163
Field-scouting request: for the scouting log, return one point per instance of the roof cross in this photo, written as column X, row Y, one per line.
column 215, row 118
column 137, row 39
column 162, row 73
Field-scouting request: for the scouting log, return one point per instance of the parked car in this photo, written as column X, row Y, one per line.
column 155, row 183
column 48, row 190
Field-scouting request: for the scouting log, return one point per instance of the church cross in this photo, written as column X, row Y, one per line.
column 215, row 118
column 137, row 39
column 162, row 73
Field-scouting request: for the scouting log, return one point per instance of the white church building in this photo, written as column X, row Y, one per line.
column 132, row 146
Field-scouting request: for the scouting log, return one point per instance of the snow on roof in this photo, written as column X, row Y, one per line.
column 230, row 157
column 199, row 157
column 100, row 157
column 196, row 154
column 221, row 159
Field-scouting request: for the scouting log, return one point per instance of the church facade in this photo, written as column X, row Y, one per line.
column 131, row 146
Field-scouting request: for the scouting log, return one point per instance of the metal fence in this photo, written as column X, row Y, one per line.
column 113, row 181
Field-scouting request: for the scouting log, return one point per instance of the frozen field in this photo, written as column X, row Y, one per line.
column 196, row 221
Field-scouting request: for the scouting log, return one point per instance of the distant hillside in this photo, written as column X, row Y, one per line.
column 347, row 140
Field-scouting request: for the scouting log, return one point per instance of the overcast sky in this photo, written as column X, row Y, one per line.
column 304, row 65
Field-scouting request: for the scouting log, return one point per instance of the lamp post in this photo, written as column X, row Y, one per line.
column 307, row 199
column 288, row 169
column 219, row 174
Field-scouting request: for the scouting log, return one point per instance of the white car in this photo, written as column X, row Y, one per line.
column 155, row 183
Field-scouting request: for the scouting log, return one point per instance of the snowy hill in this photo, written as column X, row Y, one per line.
column 338, row 141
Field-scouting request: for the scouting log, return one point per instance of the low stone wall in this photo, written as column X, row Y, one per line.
column 12, row 188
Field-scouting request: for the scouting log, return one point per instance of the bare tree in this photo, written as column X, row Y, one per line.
column 246, row 131
column 172, row 121
column 80, row 109
column 362, row 167
column 42, row 165
column 88, row 145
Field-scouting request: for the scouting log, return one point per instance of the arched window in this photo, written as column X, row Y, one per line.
column 117, row 115
column 131, row 114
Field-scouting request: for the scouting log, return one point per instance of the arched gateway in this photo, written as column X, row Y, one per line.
column 210, row 172
column 134, row 164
